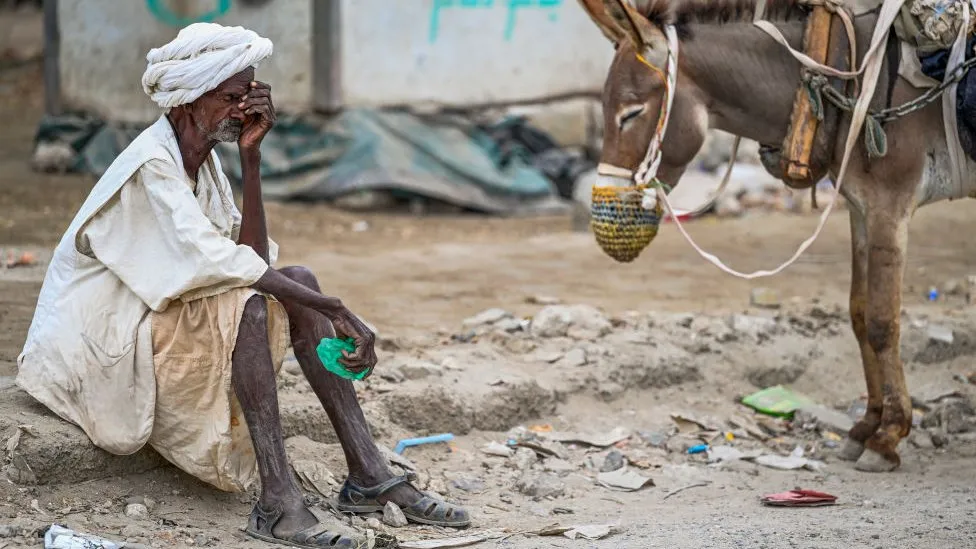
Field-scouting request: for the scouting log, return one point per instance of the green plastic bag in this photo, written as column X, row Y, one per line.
column 777, row 401
column 330, row 351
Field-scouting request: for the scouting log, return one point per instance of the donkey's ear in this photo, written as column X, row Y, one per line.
column 596, row 11
column 644, row 35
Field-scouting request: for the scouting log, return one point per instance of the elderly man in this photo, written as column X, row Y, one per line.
column 162, row 319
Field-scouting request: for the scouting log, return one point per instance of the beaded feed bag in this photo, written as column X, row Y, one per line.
column 625, row 219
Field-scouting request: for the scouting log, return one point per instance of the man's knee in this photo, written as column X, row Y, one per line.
column 301, row 275
column 255, row 313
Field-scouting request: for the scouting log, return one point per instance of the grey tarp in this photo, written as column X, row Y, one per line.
column 312, row 157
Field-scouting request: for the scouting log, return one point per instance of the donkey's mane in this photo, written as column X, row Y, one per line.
column 715, row 12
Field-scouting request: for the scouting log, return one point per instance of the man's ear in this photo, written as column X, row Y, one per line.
column 645, row 37
column 597, row 12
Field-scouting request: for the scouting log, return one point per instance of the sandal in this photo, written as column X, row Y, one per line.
column 262, row 521
column 426, row 510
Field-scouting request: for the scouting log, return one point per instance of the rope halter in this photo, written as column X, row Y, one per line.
column 625, row 209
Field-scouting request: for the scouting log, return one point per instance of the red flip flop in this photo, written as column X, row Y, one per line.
column 799, row 498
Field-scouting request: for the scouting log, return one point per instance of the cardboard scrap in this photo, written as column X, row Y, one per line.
column 624, row 480
column 497, row 449
column 442, row 543
column 791, row 462
column 687, row 424
column 600, row 440
column 315, row 476
column 585, row 531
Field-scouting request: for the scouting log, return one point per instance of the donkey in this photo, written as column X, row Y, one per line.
column 734, row 77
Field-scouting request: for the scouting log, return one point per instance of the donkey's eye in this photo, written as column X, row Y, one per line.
column 630, row 114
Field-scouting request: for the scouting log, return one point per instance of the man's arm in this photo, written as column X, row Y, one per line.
column 254, row 229
column 257, row 105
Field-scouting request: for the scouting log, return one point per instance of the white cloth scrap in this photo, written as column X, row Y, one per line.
column 200, row 57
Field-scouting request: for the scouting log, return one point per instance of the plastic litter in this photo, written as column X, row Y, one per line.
column 799, row 498
column 698, row 449
column 408, row 442
column 330, row 351
column 59, row 537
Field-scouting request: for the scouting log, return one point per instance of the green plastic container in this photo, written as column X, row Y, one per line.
column 330, row 351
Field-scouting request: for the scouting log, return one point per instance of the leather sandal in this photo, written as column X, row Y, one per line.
column 262, row 521
column 426, row 510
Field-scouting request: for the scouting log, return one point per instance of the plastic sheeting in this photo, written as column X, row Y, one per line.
column 503, row 168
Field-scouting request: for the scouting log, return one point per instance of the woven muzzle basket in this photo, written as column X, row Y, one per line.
column 622, row 227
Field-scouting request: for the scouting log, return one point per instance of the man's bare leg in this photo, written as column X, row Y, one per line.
column 253, row 379
column 367, row 467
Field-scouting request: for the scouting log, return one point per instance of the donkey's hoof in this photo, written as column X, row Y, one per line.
column 851, row 451
column 873, row 462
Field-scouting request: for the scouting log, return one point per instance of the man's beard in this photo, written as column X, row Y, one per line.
column 228, row 131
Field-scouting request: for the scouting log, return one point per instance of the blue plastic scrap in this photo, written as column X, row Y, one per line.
column 408, row 442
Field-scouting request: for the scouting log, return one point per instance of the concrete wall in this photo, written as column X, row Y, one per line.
column 104, row 45
column 391, row 52
column 463, row 52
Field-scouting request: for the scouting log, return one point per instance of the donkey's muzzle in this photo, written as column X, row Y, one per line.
column 621, row 225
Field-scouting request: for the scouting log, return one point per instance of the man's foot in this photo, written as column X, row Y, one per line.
column 416, row 506
column 299, row 526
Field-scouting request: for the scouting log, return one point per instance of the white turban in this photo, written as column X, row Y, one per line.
column 200, row 57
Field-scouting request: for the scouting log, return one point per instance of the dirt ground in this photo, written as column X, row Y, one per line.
column 418, row 278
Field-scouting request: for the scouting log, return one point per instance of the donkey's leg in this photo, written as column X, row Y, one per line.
column 887, row 226
column 866, row 427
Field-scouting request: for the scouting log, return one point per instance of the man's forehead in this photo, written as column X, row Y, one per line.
column 237, row 83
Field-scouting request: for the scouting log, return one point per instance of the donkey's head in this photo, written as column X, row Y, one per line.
column 635, row 93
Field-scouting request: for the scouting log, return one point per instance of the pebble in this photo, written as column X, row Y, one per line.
column 540, row 486
column 374, row 523
column 653, row 439
column 614, row 460
column 393, row 516
column 201, row 540
column 136, row 510
column 574, row 358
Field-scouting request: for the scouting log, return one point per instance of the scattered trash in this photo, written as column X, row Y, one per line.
column 433, row 439
column 933, row 294
column 688, row 487
column 315, row 477
column 719, row 454
column 799, row 498
column 698, row 449
column 544, row 448
column 14, row 258
column 624, row 480
column 588, row 531
column 600, row 440
column 496, row 449
column 941, row 334
column 824, row 418
column 59, row 537
column 360, row 227
column 791, row 462
column 777, row 401
column 688, row 424
column 442, row 543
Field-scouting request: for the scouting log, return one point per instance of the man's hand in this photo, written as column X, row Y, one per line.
column 260, row 111
column 348, row 325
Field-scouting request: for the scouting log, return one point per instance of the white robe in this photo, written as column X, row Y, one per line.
column 88, row 355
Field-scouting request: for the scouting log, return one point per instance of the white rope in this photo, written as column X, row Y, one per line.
column 200, row 57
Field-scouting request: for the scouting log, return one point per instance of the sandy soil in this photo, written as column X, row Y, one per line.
column 416, row 276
